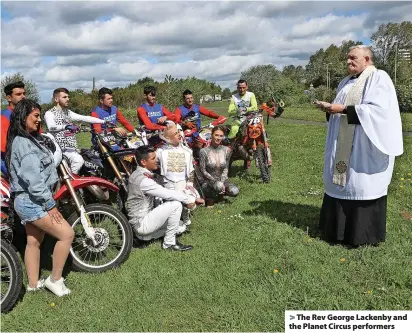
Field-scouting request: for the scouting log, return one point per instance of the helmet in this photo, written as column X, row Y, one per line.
column 51, row 143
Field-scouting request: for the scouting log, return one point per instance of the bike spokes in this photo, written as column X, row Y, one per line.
column 108, row 239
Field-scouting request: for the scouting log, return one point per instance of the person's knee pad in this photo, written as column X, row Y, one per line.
column 219, row 186
column 234, row 192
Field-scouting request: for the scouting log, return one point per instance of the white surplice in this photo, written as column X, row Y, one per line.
column 375, row 144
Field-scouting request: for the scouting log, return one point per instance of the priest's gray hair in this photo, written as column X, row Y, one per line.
column 366, row 51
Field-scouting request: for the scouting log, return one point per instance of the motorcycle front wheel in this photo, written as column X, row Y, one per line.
column 262, row 163
column 113, row 234
column 11, row 276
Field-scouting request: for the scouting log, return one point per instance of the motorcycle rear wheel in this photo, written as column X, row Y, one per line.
column 113, row 233
column 11, row 276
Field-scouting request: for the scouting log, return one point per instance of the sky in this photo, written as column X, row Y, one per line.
column 67, row 43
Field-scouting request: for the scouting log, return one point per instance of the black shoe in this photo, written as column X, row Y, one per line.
column 179, row 247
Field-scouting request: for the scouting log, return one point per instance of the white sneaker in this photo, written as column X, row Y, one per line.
column 39, row 285
column 57, row 287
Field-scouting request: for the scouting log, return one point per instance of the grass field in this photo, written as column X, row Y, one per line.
column 252, row 259
column 307, row 112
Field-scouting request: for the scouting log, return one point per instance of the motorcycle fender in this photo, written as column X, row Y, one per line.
column 82, row 182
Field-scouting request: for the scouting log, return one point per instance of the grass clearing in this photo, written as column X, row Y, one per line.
column 305, row 112
column 251, row 259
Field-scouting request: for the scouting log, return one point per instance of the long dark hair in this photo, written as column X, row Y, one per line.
column 18, row 126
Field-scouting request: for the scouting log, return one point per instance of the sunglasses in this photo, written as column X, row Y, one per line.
column 152, row 94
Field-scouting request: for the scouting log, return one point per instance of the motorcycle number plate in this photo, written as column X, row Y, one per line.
column 254, row 121
column 109, row 139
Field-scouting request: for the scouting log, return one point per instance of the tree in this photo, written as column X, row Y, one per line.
column 169, row 79
column 296, row 74
column 333, row 59
column 226, row 93
column 387, row 39
column 30, row 87
column 261, row 80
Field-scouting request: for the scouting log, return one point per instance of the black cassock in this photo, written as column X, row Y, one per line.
column 353, row 222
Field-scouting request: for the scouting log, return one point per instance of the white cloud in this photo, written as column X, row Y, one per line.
column 321, row 26
column 120, row 42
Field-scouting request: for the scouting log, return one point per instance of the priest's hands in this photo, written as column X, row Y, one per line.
column 330, row 108
column 322, row 105
column 335, row 108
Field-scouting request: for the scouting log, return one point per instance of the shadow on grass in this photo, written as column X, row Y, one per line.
column 305, row 217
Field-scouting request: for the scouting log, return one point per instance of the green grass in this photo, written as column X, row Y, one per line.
column 406, row 122
column 227, row 282
column 306, row 112
column 310, row 113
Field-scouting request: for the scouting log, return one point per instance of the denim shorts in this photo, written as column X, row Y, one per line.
column 27, row 209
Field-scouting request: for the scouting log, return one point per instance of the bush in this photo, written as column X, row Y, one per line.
column 404, row 93
column 322, row 93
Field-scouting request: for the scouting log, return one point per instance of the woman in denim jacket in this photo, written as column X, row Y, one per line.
column 33, row 175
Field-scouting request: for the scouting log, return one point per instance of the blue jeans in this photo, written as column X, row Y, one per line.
column 28, row 210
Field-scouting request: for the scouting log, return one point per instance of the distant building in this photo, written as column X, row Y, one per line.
column 207, row 98
column 210, row 98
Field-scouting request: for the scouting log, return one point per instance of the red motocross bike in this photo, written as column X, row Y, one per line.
column 103, row 236
column 11, row 267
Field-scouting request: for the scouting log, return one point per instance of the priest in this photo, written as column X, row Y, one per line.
column 364, row 136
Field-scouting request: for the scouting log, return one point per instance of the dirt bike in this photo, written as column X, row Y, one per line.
column 103, row 236
column 11, row 267
column 251, row 141
column 113, row 158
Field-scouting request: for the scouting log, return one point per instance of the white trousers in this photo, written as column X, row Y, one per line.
column 163, row 220
column 75, row 160
column 180, row 186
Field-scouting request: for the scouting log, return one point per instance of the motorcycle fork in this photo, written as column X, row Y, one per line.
column 84, row 218
column 66, row 180
column 125, row 167
column 115, row 169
